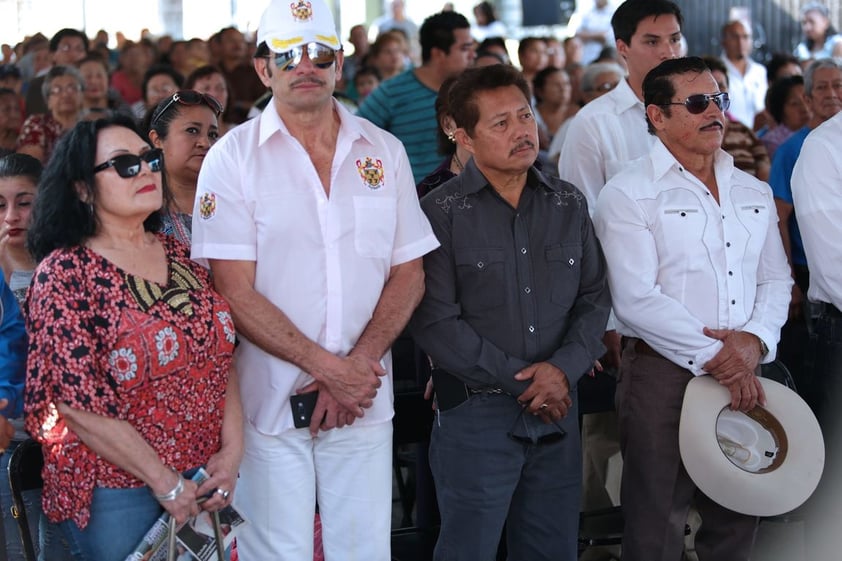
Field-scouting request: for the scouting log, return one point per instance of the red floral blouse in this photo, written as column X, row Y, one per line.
column 108, row 342
column 40, row 130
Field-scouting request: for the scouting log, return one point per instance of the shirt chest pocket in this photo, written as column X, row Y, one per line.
column 481, row 278
column 375, row 219
column 564, row 267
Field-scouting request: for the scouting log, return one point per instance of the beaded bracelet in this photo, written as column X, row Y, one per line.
column 174, row 492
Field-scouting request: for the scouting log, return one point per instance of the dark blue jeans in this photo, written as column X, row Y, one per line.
column 119, row 520
column 484, row 479
column 45, row 536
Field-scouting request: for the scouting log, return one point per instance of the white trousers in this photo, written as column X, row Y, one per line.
column 282, row 476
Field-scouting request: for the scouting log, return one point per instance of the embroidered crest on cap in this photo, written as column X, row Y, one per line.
column 371, row 171
column 207, row 206
column 301, row 10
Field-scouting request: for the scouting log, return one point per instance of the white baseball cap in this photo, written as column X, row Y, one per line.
column 287, row 24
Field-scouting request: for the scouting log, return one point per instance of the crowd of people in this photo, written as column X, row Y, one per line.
column 194, row 234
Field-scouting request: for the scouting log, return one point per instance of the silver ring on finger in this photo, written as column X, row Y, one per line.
column 224, row 493
column 544, row 406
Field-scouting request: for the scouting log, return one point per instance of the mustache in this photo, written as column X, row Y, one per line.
column 522, row 144
column 307, row 80
column 714, row 123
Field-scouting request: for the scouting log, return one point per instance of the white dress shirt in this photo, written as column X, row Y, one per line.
column 817, row 198
column 747, row 92
column 321, row 260
column 603, row 137
column 679, row 262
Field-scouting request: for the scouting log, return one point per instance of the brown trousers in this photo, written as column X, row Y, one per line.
column 656, row 491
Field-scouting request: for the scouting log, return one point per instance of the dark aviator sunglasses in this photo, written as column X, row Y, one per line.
column 698, row 103
column 128, row 165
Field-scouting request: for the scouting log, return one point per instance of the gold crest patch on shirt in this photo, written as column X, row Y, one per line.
column 371, row 170
column 207, row 206
column 301, row 10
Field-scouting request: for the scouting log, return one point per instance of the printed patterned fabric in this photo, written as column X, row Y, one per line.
column 111, row 343
column 40, row 130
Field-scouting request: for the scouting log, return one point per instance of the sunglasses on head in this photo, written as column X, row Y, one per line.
column 320, row 55
column 188, row 97
column 128, row 165
column 698, row 103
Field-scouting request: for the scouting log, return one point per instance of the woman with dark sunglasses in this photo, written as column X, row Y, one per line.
column 184, row 127
column 130, row 384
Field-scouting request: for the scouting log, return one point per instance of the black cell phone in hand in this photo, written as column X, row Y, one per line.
column 302, row 406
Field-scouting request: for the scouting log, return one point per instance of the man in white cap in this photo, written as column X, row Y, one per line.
column 309, row 219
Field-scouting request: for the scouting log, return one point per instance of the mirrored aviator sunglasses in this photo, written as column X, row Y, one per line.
column 699, row 103
column 188, row 97
column 320, row 55
column 128, row 165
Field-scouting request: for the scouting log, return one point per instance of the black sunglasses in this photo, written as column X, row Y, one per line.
column 187, row 97
column 698, row 103
column 320, row 55
column 128, row 165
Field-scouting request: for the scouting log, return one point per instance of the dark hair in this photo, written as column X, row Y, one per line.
column 778, row 93
column 9, row 71
column 487, row 10
column 540, row 79
column 631, row 12
column 158, row 119
column 492, row 42
column 463, row 94
column 437, row 32
column 94, row 56
column 20, row 165
column 496, row 56
column 157, row 70
column 446, row 147
column 204, row 72
column 716, row 65
column 778, row 61
column 59, row 217
column 525, row 42
column 658, row 88
column 262, row 50
column 64, row 33
column 385, row 38
column 366, row 71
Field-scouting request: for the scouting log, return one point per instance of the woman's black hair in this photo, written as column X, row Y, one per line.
column 20, row 165
column 778, row 93
column 159, row 117
column 60, row 218
column 540, row 80
column 157, row 70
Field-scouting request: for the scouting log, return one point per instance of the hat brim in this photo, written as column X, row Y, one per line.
column 757, row 494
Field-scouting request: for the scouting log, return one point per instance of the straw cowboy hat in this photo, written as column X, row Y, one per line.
column 764, row 462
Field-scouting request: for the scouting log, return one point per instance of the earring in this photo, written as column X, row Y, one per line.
column 451, row 137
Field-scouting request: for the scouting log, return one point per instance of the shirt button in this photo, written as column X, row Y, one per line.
column 723, row 217
column 730, row 273
column 733, row 301
column 727, row 244
column 571, row 262
column 523, row 250
column 531, row 329
column 480, row 265
column 527, row 290
column 690, row 362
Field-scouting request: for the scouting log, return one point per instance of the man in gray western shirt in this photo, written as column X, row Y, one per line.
column 514, row 312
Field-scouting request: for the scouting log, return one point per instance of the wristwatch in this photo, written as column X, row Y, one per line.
column 764, row 350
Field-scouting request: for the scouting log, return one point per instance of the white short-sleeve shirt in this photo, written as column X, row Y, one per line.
column 322, row 260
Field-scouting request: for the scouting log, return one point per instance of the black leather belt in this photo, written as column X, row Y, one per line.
column 832, row 311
